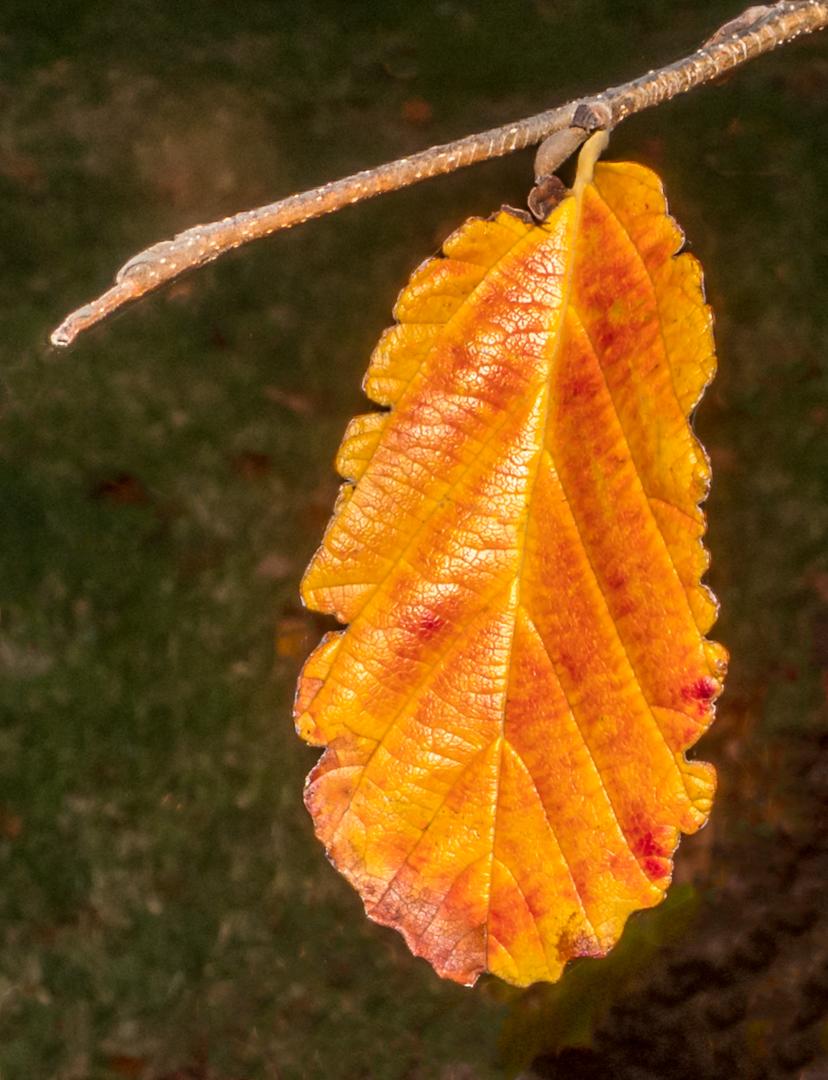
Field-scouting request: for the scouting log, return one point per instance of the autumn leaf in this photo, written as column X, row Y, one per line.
column 518, row 554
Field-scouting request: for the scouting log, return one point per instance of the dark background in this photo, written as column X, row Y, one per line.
column 164, row 908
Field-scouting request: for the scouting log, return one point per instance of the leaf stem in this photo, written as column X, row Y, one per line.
column 756, row 31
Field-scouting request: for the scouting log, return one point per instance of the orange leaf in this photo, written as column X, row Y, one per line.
column 518, row 554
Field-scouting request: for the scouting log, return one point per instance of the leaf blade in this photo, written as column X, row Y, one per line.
column 519, row 563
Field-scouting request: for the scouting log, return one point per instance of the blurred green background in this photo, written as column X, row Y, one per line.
column 164, row 908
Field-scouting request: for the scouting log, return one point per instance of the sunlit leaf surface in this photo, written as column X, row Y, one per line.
column 518, row 555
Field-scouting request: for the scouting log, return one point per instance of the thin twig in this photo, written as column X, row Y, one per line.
column 755, row 32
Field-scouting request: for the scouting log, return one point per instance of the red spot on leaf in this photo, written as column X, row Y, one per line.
column 429, row 623
column 704, row 689
column 647, row 845
column 655, row 868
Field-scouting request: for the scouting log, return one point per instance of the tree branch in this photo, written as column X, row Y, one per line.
column 756, row 31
